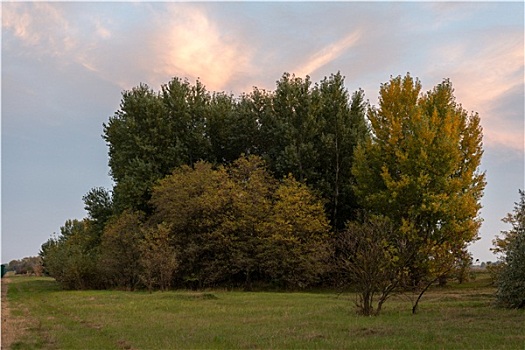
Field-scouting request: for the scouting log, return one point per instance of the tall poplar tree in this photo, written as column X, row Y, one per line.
column 342, row 126
column 420, row 169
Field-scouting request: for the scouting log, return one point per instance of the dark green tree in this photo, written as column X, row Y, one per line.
column 296, row 131
column 511, row 278
column 141, row 147
column 98, row 204
column 343, row 127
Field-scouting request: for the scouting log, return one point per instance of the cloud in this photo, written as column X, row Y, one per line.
column 328, row 54
column 41, row 26
column 487, row 69
column 191, row 45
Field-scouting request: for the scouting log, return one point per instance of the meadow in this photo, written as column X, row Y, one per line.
column 453, row 317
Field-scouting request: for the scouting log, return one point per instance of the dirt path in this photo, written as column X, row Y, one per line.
column 12, row 327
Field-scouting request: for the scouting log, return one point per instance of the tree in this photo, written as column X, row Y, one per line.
column 511, row 278
column 99, row 206
column 295, row 249
column 293, row 129
column 342, row 128
column 71, row 257
column 236, row 225
column 192, row 203
column 27, row 265
column 141, row 147
column 158, row 259
column 368, row 258
column 119, row 250
column 420, row 169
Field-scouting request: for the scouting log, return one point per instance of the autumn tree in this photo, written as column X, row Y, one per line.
column 235, row 226
column 158, row 260
column 420, row 169
column 295, row 248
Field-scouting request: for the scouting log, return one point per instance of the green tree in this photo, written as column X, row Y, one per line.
column 71, row 258
column 293, row 130
column 141, row 147
column 511, row 277
column 99, row 207
column 420, row 169
column 187, row 113
column 343, row 127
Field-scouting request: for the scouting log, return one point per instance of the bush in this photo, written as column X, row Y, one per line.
column 511, row 278
column 511, row 282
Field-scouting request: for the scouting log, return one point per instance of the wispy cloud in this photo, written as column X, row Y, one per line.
column 328, row 54
column 39, row 25
column 191, row 45
column 484, row 74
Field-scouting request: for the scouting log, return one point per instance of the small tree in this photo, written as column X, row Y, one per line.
column 511, row 279
column 369, row 258
column 119, row 250
column 157, row 258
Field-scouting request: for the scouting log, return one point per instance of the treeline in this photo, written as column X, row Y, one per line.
column 31, row 265
column 273, row 187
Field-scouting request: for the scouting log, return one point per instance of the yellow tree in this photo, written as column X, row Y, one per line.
column 420, row 169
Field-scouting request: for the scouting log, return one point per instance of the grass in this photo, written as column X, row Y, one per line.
column 455, row 317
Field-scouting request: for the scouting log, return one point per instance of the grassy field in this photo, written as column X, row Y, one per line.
column 455, row 317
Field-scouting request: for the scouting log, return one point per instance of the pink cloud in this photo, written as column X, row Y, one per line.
column 485, row 73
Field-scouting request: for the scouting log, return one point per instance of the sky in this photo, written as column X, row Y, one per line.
column 64, row 66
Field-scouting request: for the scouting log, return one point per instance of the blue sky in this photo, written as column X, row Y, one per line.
column 65, row 65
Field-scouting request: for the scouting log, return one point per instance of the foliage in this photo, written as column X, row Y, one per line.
column 216, row 190
column 236, row 225
column 511, row 278
column 342, row 128
column 419, row 169
column 158, row 261
column 119, row 251
column 71, row 258
column 307, row 131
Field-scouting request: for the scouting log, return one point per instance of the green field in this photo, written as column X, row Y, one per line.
column 454, row 317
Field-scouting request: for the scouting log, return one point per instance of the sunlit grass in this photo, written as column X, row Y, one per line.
column 452, row 317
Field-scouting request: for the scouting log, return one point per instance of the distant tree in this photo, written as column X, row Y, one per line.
column 511, row 277
column 420, row 169
column 27, row 265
